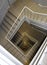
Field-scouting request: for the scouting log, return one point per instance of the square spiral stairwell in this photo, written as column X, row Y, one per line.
column 26, row 38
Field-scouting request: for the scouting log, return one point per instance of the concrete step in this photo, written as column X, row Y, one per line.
column 9, row 20
column 11, row 16
column 4, row 28
column 6, row 24
column 2, row 34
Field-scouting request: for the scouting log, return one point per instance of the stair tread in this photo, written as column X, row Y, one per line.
column 2, row 33
column 15, row 17
column 9, row 20
column 11, row 16
column 5, row 22
column 4, row 28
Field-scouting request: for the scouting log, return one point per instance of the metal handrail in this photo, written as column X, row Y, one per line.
column 35, row 12
column 25, row 11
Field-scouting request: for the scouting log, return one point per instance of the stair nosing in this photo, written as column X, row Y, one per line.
column 4, row 28
column 13, row 15
column 8, row 19
column 5, row 25
column 7, row 22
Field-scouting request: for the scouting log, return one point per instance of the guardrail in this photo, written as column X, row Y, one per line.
column 26, row 12
column 41, row 18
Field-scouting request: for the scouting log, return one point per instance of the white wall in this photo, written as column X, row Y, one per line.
column 11, row 1
column 42, row 2
column 4, row 5
column 8, row 59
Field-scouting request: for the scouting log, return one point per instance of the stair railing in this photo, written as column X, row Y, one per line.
column 40, row 17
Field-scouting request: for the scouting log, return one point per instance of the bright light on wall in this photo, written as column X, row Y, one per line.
column 4, row 60
column 7, row 59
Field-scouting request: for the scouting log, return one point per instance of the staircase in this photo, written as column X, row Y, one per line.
column 8, row 21
column 10, row 18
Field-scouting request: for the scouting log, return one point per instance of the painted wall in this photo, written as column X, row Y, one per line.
column 11, row 1
column 42, row 2
column 4, row 5
column 3, row 8
column 7, row 59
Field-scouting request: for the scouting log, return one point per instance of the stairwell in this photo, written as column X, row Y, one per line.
column 7, row 23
